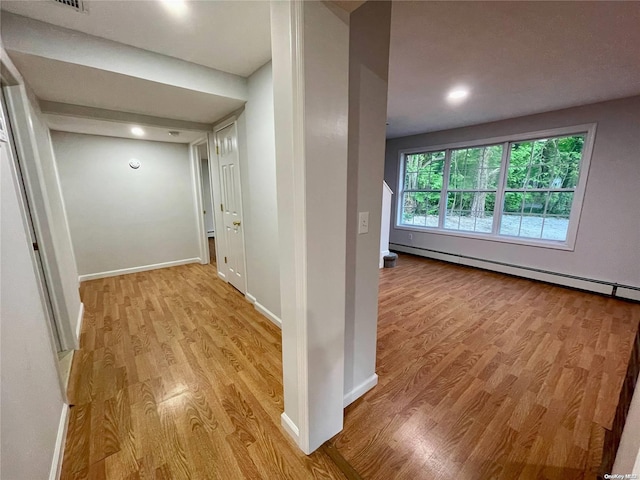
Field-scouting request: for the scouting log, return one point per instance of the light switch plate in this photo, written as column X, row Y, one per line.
column 363, row 222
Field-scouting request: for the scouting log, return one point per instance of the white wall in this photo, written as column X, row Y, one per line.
column 123, row 219
column 608, row 236
column 258, row 170
column 50, row 216
column 368, row 72
column 30, row 400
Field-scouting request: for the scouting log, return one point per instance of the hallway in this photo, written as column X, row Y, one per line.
column 178, row 377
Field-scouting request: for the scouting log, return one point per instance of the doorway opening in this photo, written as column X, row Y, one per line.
column 27, row 202
column 62, row 345
column 216, row 168
column 202, row 152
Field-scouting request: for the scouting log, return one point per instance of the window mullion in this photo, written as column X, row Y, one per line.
column 445, row 187
column 502, row 183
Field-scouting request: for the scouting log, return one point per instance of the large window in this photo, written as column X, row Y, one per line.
column 523, row 189
column 424, row 173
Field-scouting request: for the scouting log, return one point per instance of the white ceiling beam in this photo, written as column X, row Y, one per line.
column 32, row 37
column 79, row 111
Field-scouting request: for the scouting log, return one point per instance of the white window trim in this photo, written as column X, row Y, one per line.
column 588, row 129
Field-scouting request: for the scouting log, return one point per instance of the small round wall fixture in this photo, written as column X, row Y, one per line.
column 135, row 164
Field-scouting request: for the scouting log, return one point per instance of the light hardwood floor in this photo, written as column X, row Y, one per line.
column 212, row 250
column 485, row 376
column 482, row 376
column 178, row 377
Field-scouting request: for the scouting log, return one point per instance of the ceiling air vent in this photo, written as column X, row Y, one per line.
column 77, row 5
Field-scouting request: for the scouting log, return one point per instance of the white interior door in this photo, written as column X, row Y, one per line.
column 231, row 196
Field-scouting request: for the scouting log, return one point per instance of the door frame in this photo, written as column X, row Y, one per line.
column 19, row 111
column 214, row 176
column 196, row 181
column 10, row 77
column 28, row 217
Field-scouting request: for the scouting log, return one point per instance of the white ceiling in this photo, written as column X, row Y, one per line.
column 232, row 36
column 91, row 126
column 517, row 58
column 79, row 85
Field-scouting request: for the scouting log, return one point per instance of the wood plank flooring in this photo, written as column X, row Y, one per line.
column 482, row 376
column 212, row 250
column 178, row 377
column 485, row 376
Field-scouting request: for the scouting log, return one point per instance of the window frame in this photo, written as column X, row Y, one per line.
column 445, row 173
column 589, row 130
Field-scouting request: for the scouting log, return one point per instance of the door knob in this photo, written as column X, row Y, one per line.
column 236, row 223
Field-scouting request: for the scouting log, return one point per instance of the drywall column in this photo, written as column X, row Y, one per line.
column 310, row 74
column 33, row 413
column 368, row 73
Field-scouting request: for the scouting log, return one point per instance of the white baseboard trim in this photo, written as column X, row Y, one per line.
column 360, row 390
column 267, row 313
column 211, row 235
column 222, row 276
column 525, row 272
column 264, row 310
column 58, row 452
column 144, row 268
column 79, row 324
column 628, row 294
column 290, row 427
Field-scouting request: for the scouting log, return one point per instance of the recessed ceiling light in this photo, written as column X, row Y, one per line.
column 137, row 131
column 457, row 94
column 178, row 8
